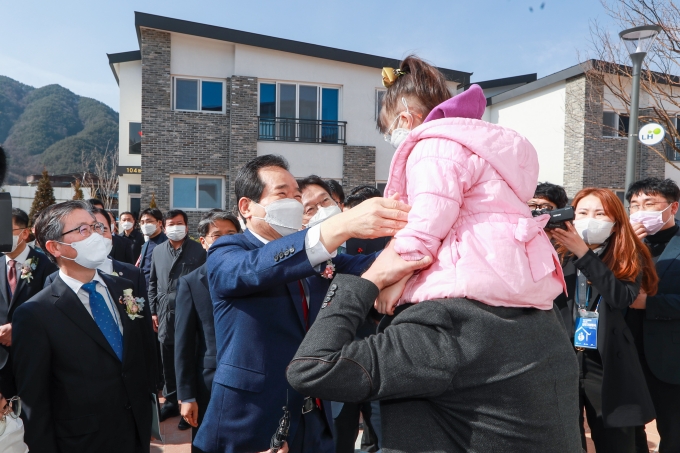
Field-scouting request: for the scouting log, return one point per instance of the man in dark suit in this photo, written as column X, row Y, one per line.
column 114, row 267
column 176, row 257
column 655, row 320
column 81, row 359
column 122, row 249
column 128, row 229
column 16, row 287
column 151, row 225
column 195, row 348
column 452, row 375
column 267, row 289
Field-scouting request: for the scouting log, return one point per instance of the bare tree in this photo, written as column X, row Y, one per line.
column 659, row 87
column 104, row 182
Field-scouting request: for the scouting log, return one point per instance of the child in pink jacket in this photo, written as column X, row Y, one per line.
column 468, row 182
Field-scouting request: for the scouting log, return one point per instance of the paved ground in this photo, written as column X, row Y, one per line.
column 177, row 441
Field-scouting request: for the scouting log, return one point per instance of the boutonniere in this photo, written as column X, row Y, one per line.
column 360, row 250
column 329, row 270
column 133, row 305
column 27, row 269
column 115, row 274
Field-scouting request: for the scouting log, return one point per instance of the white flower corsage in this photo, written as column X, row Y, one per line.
column 133, row 305
column 329, row 271
column 27, row 269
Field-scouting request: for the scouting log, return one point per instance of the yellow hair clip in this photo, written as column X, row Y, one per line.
column 390, row 75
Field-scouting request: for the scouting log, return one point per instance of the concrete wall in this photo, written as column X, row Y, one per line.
column 22, row 196
column 201, row 57
column 307, row 158
column 539, row 116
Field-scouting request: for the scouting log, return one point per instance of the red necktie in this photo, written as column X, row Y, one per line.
column 12, row 276
column 305, row 307
column 305, row 314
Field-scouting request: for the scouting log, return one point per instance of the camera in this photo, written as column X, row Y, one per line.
column 557, row 217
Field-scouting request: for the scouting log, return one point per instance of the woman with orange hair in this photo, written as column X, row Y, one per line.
column 605, row 268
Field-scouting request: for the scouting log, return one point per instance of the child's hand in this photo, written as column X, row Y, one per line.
column 389, row 296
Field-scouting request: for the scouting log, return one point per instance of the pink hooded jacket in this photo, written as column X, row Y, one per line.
column 468, row 182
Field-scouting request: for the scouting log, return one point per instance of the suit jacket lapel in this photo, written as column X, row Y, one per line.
column 294, row 289
column 69, row 303
column 316, row 286
column 23, row 283
column 668, row 256
column 4, row 289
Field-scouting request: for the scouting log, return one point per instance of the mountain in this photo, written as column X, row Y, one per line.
column 51, row 127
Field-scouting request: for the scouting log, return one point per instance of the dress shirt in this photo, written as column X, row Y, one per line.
column 316, row 251
column 84, row 296
column 20, row 260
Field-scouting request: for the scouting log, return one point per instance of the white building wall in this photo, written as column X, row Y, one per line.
column 201, row 57
column 22, row 196
column 130, row 83
column 539, row 116
column 307, row 158
column 672, row 173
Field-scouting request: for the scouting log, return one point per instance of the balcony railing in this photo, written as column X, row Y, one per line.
column 300, row 130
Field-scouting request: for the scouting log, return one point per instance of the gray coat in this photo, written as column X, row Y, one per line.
column 452, row 375
column 166, row 269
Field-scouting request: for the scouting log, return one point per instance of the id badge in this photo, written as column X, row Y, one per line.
column 585, row 335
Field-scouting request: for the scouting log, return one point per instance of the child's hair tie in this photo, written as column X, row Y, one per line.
column 390, row 75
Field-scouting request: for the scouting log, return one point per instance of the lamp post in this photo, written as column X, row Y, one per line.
column 638, row 41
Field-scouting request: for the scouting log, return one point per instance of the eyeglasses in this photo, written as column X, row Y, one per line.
column 86, row 230
column 13, row 409
column 646, row 206
column 326, row 202
column 546, row 206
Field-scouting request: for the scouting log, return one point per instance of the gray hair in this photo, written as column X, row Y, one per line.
column 49, row 226
column 211, row 217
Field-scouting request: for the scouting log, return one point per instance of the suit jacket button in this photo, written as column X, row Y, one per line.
column 327, row 299
column 286, row 253
column 292, row 250
column 334, row 287
column 324, row 305
column 331, row 293
column 276, row 257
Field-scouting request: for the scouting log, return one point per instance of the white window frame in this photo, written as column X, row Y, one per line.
column 319, row 100
column 377, row 98
column 172, row 190
column 200, row 89
column 615, row 122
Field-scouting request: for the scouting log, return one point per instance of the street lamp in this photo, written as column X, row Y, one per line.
column 638, row 41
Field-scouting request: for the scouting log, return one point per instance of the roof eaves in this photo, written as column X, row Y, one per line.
column 268, row 42
column 515, row 80
column 565, row 74
column 122, row 57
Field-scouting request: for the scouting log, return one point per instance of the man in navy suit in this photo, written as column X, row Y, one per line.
column 195, row 348
column 267, row 289
column 16, row 288
column 654, row 321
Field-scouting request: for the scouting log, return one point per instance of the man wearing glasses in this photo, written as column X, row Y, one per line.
column 655, row 320
column 548, row 196
column 16, row 287
column 81, row 345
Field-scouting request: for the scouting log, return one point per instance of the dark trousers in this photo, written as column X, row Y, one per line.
column 371, row 440
column 8, row 386
column 606, row 440
column 346, row 428
column 170, row 388
column 313, row 435
column 666, row 398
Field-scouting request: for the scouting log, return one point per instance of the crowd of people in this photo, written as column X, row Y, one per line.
column 452, row 313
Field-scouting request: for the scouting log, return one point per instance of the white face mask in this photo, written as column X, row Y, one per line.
column 284, row 216
column 652, row 220
column 399, row 134
column 176, row 232
column 323, row 214
column 108, row 243
column 126, row 226
column 15, row 243
column 91, row 251
column 148, row 228
column 593, row 231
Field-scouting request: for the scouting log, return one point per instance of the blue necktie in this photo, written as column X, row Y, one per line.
column 104, row 319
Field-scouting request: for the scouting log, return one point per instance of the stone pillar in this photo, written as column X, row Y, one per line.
column 243, row 128
column 358, row 166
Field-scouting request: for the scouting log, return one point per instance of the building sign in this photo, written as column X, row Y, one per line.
column 129, row 170
column 651, row 134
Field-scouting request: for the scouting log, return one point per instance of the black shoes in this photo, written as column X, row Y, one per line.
column 168, row 411
column 183, row 425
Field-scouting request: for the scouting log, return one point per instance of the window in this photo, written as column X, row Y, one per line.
column 135, row 136
column 197, row 192
column 198, row 95
column 379, row 95
column 134, row 188
column 380, row 185
column 671, row 153
column 300, row 112
column 614, row 125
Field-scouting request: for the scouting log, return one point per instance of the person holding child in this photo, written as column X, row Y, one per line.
column 475, row 356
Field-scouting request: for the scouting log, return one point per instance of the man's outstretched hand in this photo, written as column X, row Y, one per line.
column 389, row 269
column 374, row 218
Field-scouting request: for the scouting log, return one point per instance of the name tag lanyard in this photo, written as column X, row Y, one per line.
column 585, row 334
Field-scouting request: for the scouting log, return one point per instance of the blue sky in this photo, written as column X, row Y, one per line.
column 66, row 42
